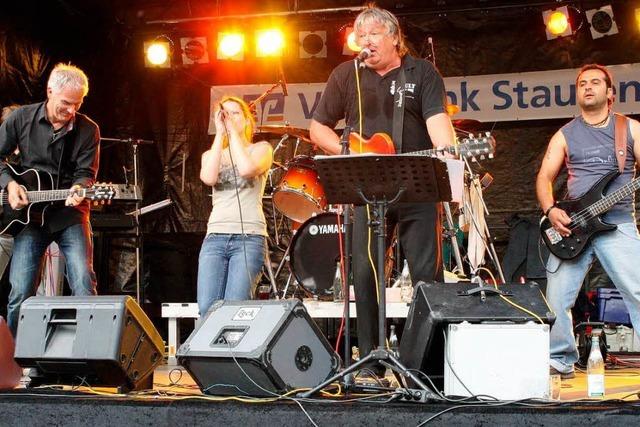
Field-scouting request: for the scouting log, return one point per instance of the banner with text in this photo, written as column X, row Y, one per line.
column 487, row 98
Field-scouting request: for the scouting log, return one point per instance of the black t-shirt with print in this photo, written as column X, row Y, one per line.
column 424, row 95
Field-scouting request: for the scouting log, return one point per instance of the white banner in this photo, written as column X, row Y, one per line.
column 487, row 98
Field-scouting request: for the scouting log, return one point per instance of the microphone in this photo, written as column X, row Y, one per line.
column 364, row 54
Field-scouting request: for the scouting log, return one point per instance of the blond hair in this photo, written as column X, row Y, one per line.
column 250, row 122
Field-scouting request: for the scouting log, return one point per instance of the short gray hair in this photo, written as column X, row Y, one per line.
column 67, row 75
column 386, row 18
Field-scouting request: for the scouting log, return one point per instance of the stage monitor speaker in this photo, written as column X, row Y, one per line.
column 10, row 372
column 436, row 305
column 95, row 340
column 257, row 348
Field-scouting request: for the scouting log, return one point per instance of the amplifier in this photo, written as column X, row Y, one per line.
column 437, row 305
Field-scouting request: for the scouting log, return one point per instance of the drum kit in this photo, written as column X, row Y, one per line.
column 310, row 234
column 304, row 227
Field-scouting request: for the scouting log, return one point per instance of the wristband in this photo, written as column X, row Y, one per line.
column 546, row 213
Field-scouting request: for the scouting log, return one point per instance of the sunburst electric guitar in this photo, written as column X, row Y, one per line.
column 380, row 143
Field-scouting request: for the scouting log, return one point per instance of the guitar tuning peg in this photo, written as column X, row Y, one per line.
column 491, row 155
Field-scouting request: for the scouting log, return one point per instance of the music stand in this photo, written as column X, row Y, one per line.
column 379, row 181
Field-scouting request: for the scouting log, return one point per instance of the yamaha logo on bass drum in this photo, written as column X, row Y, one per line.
column 325, row 229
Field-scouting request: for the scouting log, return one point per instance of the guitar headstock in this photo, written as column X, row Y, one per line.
column 480, row 147
column 107, row 191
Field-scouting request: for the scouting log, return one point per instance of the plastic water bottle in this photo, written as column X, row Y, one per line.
column 406, row 287
column 595, row 369
column 338, row 293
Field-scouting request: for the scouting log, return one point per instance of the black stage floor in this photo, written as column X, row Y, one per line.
column 176, row 401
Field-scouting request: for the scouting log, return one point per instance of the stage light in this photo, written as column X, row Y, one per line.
column 350, row 47
column 231, row 46
column 157, row 53
column 194, row 50
column 602, row 22
column 313, row 44
column 637, row 13
column 269, row 43
column 557, row 22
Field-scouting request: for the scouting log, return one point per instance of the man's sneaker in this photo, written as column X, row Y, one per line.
column 563, row 375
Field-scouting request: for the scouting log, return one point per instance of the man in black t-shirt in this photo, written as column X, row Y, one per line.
column 52, row 137
column 425, row 125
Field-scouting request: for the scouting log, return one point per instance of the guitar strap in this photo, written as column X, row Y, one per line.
column 398, row 110
column 621, row 140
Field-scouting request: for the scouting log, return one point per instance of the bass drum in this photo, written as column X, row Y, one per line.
column 315, row 252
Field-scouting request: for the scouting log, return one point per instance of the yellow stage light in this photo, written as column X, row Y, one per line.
column 350, row 46
column 269, row 43
column 637, row 13
column 231, row 46
column 557, row 22
column 157, row 54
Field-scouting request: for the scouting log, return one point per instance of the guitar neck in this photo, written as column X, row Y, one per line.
column 606, row 203
column 432, row 152
column 36, row 196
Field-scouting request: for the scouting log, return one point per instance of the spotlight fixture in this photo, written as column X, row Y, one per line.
column 230, row 46
column 313, row 44
column 269, row 43
column 557, row 22
column 350, row 47
column 194, row 50
column 602, row 22
column 157, row 53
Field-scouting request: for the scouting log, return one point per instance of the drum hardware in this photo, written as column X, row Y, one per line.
column 476, row 216
column 451, row 233
column 279, row 144
column 286, row 130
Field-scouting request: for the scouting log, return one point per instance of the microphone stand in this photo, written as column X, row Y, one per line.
column 136, row 215
column 346, row 292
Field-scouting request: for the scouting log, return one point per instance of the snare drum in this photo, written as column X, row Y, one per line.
column 315, row 249
column 299, row 194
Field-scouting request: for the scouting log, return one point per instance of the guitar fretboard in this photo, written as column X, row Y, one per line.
column 607, row 202
column 41, row 196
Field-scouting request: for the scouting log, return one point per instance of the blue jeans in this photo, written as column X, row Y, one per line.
column 28, row 257
column 222, row 270
column 618, row 251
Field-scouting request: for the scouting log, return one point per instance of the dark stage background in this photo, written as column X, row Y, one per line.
column 171, row 107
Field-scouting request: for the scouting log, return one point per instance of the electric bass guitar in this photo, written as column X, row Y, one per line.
column 381, row 143
column 38, row 185
column 585, row 213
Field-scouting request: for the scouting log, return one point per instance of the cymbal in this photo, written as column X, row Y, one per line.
column 452, row 109
column 281, row 130
column 466, row 124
